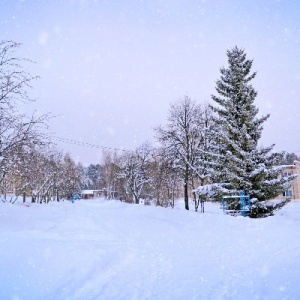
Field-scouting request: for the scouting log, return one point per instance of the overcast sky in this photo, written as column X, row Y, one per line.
column 110, row 69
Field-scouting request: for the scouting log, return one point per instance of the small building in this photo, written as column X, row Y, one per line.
column 294, row 191
column 90, row 194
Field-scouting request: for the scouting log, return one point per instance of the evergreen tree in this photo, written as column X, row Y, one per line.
column 289, row 158
column 245, row 166
column 93, row 177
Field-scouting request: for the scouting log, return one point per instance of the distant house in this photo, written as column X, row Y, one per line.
column 294, row 191
column 90, row 194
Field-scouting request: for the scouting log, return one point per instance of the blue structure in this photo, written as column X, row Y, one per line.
column 244, row 203
column 74, row 197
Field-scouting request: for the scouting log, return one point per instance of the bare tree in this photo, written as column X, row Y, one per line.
column 134, row 171
column 17, row 131
column 70, row 177
column 14, row 79
column 180, row 138
column 165, row 180
column 206, row 168
column 110, row 169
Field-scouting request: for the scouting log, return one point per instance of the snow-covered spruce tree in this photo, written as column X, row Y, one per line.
column 245, row 166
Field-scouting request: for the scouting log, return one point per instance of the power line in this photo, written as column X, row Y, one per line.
column 85, row 144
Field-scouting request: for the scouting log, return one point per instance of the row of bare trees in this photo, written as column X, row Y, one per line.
column 182, row 162
column 43, row 173
column 134, row 175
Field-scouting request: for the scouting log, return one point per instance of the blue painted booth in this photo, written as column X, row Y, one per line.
column 235, row 204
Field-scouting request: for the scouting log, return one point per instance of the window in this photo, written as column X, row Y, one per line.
column 285, row 174
column 288, row 193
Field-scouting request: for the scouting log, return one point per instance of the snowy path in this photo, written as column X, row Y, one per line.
column 110, row 250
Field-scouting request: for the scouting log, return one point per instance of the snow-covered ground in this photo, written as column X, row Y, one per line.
column 98, row 249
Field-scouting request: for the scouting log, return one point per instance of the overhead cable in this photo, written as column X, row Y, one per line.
column 84, row 144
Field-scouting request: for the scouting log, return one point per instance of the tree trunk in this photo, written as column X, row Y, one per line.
column 202, row 205
column 135, row 199
column 186, row 182
column 196, row 203
column 173, row 196
column 195, row 196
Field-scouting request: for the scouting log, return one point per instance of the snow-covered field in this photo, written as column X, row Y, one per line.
column 100, row 249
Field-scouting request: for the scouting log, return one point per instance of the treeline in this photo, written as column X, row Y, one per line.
column 289, row 158
column 188, row 159
column 158, row 175
column 134, row 175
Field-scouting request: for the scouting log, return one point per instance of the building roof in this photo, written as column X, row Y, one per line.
column 87, row 192
column 91, row 192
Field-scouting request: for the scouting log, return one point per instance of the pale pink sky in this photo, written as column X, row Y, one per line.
column 110, row 69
